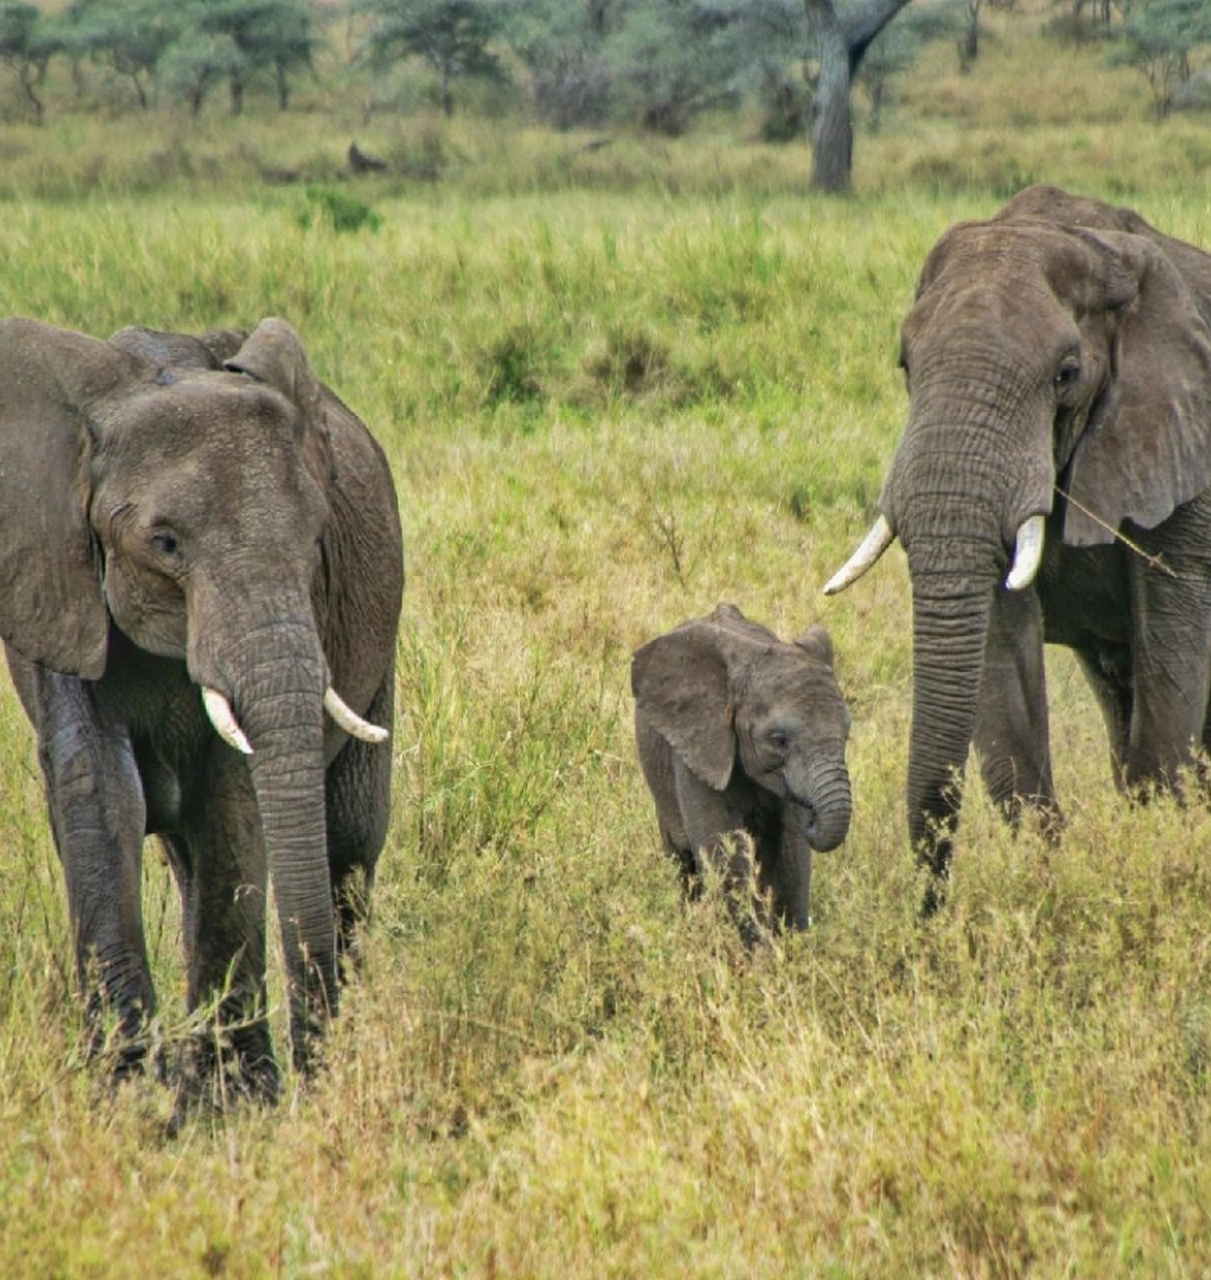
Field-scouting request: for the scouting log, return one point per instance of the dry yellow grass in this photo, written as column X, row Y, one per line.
column 616, row 390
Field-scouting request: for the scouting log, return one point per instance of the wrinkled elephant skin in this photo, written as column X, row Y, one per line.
column 1053, row 484
column 200, row 553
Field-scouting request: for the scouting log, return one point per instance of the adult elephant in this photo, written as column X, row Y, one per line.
column 199, row 546
column 1052, row 485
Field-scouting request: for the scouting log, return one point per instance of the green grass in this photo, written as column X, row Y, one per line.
column 616, row 389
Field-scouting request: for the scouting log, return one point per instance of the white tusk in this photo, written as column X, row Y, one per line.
column 1027, row 553
column 873, row 546
column 349, row 720
column 224, row 721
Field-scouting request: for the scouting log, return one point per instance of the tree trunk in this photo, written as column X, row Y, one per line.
column 841, row 46
column 832, row 124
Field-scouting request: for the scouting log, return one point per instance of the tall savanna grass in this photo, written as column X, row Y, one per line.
column 617, row 386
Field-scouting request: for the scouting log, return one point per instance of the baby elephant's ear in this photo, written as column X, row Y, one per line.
column 816, row 641
column 54, row 385
column 680, row 683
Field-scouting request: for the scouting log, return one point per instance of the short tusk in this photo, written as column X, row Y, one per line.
column 224, row 721
column 349, row 720
column 1027, row 554
column 873, row 546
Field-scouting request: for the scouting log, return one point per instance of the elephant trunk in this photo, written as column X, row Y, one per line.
column 821, row 823
column 277, row 695
column 823, row 815
column 950, row 623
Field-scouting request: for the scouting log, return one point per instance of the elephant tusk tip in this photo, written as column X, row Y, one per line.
column 221, row 716
column 350, row 721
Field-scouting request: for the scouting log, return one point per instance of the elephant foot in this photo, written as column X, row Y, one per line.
column 123, row 1050
column 221, row 1072
column 934, row 897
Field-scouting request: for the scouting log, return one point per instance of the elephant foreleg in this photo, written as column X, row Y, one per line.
column 1012, row 735
column 722, row 846
column 220, row 864
column 97, row 817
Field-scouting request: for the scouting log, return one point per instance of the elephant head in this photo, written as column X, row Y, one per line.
column 1058, row 365
column 179, row 492
column 738, row 708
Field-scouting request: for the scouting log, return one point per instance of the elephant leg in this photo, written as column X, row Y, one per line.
column 715, row 829
column 791, row 879
column 220, row 864
column 682, row 856
column 1108, row 672
column 357, row 788
column 97, row 817
column 1012, row 736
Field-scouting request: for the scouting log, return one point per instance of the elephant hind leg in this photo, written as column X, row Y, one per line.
column 1108, row 672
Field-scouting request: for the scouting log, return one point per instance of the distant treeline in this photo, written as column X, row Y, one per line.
column 571, row 63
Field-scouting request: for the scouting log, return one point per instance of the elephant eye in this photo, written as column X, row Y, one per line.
column 1068, row 373
column 778, row 740
column 166, row 542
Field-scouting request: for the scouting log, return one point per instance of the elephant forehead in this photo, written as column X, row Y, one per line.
column 1018, row 257
column 220, row 411
column 787, row 679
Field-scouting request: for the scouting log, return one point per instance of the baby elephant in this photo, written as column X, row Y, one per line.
column 742, row 735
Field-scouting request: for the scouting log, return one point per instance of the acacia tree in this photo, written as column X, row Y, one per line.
column 841, row 42
column 1157, row 40
column 256, row 36
column 28, row 41
column 128, row 36
column 452, row 36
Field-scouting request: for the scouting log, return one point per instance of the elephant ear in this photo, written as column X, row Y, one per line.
column 273, row 354
column 52, row 383
column 680, row 682
column 818, row 643
column 1147, row 447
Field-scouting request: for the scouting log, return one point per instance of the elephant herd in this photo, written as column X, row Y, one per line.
column 201, row 576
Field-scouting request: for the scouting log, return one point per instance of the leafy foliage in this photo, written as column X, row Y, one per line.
column 452, row 36
column 1158, row 39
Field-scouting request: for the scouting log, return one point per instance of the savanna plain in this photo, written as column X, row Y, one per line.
column 617, row 386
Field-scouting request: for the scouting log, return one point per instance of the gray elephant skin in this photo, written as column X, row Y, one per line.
column 1052, row 484
column 741, row 737
column 193, row 526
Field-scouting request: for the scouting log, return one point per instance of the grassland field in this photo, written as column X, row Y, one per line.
column 617, row 386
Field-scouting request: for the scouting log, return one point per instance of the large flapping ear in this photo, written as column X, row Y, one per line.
column 1147, row 447
column 51, row 606
column 680, row 682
